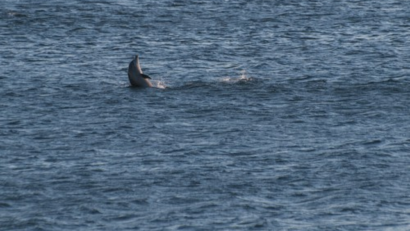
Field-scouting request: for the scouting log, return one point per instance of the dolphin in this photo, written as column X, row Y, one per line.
column 135, row 75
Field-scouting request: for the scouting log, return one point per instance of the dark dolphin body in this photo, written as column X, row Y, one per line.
column 135, row 75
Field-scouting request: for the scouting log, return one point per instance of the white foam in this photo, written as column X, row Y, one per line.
column 242, row 77
column 158, row 84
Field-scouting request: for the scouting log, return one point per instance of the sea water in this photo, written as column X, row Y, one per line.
column 268, row 115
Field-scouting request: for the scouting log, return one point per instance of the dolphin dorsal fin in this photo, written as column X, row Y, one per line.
column 137, row 63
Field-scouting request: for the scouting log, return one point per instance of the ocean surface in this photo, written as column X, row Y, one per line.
column 266, row 115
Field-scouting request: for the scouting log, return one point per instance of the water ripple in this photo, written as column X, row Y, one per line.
column 267, row 115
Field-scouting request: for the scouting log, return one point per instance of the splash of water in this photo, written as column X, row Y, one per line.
column 242, row 77
column 159, row 84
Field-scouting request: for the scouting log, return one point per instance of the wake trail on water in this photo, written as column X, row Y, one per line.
column 218, row 82
column 225, row 82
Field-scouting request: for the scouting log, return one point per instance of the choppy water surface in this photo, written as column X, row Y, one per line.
column 276, row 115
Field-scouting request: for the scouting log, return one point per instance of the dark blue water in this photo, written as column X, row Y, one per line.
column 268, row 115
